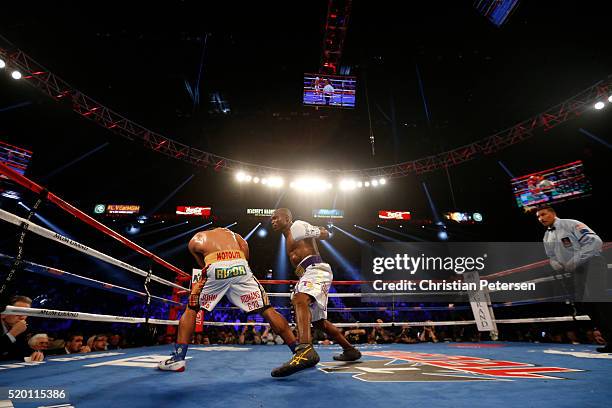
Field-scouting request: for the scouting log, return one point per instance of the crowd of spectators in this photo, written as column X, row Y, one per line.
column 18, row 342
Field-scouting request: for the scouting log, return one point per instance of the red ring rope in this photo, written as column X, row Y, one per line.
column 32, row 186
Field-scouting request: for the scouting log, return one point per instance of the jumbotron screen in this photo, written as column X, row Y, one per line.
column 329, row 90
column 551, row 186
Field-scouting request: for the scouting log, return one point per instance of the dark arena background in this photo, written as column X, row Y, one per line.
column 128, row 127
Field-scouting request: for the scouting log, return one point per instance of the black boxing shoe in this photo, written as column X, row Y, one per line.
column 305, row 357
column 351, row 354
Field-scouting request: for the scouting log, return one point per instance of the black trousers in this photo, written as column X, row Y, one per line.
column 592, row 295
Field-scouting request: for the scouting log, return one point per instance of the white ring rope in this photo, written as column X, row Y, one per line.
column 61, row 314
column 58, row 273
column 54, row 236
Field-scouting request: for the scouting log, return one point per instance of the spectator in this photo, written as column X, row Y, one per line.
column 598, row 338
column 98, row 342
column 572, row 337
column 407, row 335
column 74, row 344
column 249, row 335
column 379, row 335
column 320, row 337
column 270, row 338
column 39, row 342
column 114, row 342
column 428, row 334
column 166, row 339
column 230, row 337
column 13, row 345
column 355, row 335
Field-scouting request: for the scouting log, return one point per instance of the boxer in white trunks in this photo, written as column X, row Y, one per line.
column 309, row 297
column 223, row 256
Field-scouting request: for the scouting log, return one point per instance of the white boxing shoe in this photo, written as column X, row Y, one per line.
column 172, row 365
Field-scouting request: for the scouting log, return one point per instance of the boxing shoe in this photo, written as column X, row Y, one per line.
column 351, row 354
column 172, row 365
column 305, row 357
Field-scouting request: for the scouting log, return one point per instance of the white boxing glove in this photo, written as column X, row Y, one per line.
column 301, row 230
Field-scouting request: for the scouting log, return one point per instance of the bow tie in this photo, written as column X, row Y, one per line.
column 551, row 228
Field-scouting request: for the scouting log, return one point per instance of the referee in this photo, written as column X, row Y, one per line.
column 573, row 247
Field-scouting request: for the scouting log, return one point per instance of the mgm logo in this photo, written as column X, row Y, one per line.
column 398, row 366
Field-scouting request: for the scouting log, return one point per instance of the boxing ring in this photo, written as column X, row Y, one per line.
column 388, row 375
column 462, row 374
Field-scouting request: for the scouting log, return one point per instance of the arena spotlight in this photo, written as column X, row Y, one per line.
column 311, row 184
column 610, row 98
column 16, row 75
column 132, row 229
column 599, row 105
column 367, row 184
column 351, row 236
column 255, row 180
column 262, row 233
column 353, row 270
column 347, row 184
column 378, row 234
column 382, row 181
column 248, row 178
column 2, row 63
column 415, row 238
column 240, row 176
column 247, row 236
column 275, row 181
column 359, row 184
column 442, row 235
column 374, row 183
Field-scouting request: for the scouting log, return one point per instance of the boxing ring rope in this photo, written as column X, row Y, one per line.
column 54, row 236
column 413, row 308
column 82, row 280
column 62, row 314
column 35, row 188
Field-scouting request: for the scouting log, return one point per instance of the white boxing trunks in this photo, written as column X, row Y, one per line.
column 315, row 280
column 228, row 273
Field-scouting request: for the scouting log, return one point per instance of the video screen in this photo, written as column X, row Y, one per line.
column 14, row 157
column 496, row 11
column 329, row 90
column 327, row 213
column 551, row 186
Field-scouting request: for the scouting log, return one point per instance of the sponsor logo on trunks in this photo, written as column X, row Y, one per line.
column 402, row 366
column 232, row 272
column 249, row 297
column 228, row 255
column 207, row 298
column 307, row 284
